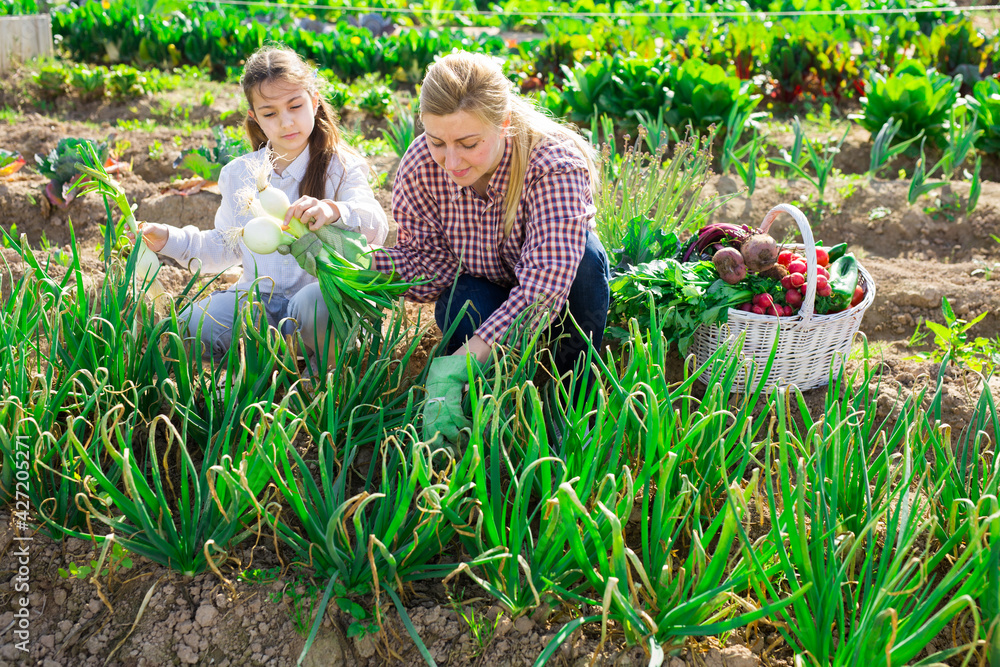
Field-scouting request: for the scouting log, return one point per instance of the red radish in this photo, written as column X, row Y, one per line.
column 771, row 310
column 824, row 289
column 822, row 272
column 859, row 296
column 820, row 281
column 785, row 257
column 746, row 307
column 729, row 263
column 793, row 297
column 764, row 300
column 786, row 282
column 798, row 280
column 758, row 310
column 822, row 258
column 797, row 266
column 760, row 252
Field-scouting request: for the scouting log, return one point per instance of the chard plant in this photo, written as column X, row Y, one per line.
column 584, row 94
column 704, row 95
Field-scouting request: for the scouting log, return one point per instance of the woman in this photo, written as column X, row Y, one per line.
column 495, row 206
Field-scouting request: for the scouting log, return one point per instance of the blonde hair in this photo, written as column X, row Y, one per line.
column 271, row 64
column 475, row 83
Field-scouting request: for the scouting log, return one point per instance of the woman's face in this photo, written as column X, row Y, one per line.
column 465, row 147
column 287, row 114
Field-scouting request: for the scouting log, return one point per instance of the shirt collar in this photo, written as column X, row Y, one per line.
column 498, row 182
column 297, row 168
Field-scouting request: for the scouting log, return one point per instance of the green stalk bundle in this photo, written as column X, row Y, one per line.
column 855, row 603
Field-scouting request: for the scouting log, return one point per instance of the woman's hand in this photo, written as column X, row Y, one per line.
column 314, row 213
column 154, row 235
column 477, row 347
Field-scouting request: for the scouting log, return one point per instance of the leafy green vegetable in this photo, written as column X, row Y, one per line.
column 60, row 166
column 921, row 98
column 207, row 162
column 684, row 295
column 10, row 161
column 704, row 95
column 645, row 241
column 986, row 93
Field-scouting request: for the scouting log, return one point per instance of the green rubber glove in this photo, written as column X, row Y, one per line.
column 350, row 245
column 442, row 411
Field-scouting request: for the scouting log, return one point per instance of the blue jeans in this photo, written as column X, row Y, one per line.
column 587, row 303
column 305, row 311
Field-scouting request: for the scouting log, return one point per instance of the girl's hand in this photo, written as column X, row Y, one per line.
column 153, row 235
column 313, row 212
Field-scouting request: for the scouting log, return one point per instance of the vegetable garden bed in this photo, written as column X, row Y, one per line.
column 152, row 615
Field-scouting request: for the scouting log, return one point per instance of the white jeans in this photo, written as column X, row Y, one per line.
column 305, row 311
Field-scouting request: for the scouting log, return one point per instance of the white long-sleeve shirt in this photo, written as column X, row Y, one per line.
column 346, row 184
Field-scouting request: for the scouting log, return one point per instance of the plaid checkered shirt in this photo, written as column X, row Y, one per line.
column 445, row 228
column 214, row 251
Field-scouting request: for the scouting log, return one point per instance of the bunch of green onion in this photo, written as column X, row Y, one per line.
column 354, row 295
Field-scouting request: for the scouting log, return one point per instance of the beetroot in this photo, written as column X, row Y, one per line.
column 778, row 272
column 729, row 263
column 760, row 252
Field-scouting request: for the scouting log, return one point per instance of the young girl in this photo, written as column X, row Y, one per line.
column 323, row 177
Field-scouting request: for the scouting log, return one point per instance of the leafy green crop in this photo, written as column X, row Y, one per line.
column 704, row 95
column 684, row 296
column 60, row 164
column 585, row 94
column 920, row 98
column 987, row 96
column 790, row 62
column 959, row 48
column 207, row 162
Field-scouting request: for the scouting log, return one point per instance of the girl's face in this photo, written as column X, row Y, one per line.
column 287, row 114
column 465, row 147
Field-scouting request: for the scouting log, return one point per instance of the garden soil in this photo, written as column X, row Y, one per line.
column 148, row 615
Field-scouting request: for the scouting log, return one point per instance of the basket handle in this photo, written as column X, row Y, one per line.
column 806, row 310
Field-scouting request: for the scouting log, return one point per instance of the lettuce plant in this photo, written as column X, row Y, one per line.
column 986, row 93
column 586, row 85
column 920, row 98
column 704, row 94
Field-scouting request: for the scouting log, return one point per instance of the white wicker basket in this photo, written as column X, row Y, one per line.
column 808, row 343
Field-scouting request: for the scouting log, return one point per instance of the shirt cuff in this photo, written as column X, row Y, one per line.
column 176, row 242
column 346, row 215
